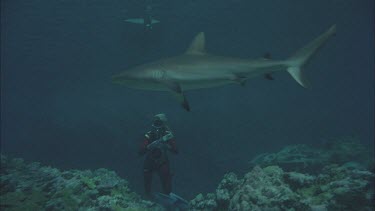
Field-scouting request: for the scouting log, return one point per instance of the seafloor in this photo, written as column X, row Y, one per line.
column 337, row 175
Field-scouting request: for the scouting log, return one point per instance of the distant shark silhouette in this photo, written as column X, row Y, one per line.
column 196, row 69
column 148, row 22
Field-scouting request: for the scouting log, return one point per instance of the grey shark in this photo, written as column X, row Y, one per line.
column 142, row 21
column 197, row 69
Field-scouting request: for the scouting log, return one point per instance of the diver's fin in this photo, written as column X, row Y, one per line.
column 179, row 199
column 171, row 201
column 176, row 89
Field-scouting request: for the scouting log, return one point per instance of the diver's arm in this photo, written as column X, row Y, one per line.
column 170, row 141
column 172, row 145
column 143, row 147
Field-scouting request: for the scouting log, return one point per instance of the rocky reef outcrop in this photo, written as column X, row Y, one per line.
column 304, row 158
column 34, row 187
column 338, row 177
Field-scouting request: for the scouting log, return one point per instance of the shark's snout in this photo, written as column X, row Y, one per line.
column 117, row 79
column 125, row 78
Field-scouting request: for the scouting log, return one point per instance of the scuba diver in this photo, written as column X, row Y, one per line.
column 147, row 20
column 155, row 147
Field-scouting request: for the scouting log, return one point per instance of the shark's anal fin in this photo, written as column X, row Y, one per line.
column 268, row 76
column 176, row 90
column 239, row 79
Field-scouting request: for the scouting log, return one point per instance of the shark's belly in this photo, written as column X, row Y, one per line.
column 204, row 84
column 146, row 85
column 164, row 85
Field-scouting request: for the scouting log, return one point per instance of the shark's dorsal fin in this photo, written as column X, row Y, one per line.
column 197, row 46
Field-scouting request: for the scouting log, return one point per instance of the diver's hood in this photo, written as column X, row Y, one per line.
column 160, row 120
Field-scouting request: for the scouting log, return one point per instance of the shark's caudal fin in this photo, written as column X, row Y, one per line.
column 302, row 56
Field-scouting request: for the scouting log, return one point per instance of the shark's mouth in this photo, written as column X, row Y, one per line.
column 118, row 79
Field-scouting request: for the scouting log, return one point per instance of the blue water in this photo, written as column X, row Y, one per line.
column 59, row 107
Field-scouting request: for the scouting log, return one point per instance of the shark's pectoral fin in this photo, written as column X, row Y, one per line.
column 176, row 90
column 183, row 101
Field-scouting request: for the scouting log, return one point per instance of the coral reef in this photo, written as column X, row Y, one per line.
column 339, row 175
column 265, row 189
column 337, row 187
column 335, row 177
column 303, row 158
column 341, row 187
column 33, row 187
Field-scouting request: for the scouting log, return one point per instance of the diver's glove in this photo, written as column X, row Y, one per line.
column 167, row 137
column 162, row 142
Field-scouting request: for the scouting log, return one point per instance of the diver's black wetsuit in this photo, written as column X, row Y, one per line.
column 156, row 159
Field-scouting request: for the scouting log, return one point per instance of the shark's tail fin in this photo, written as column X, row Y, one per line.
column 302, row 56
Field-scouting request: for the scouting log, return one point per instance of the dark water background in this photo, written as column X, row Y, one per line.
column 58, row 105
